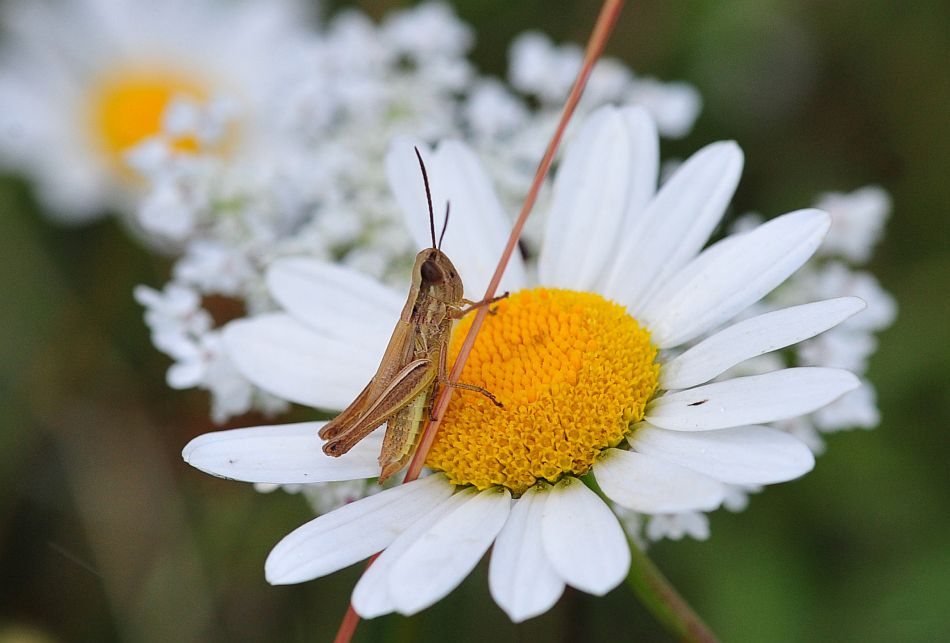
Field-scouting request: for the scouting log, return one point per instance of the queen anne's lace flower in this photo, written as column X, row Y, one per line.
column 654, row 421
column 183, row 330
column 314, row 187
column 857, row 226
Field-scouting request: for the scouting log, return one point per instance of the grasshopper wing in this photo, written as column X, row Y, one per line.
column 409, row 383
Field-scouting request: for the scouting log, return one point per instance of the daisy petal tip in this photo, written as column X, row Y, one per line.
column 849, row 381
column 637, row 113
column 731, row 147
column 278, row 572
column 583, row 539
column 607, row 584
column 799, row 461
column 282, row 572
column 294, row 560
column 201, row 454
column 728, row 153
column 274, row 580
column 515, row 616
column 807, row 458
column 193, row 445
column 519, row 613
column 839, row 380
column 367, row 612
column 855, row 305
column 602, row 112
column 820, row 219
column 748, row 455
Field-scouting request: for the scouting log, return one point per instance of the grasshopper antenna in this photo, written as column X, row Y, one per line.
column 445, row 224
column 425, row 180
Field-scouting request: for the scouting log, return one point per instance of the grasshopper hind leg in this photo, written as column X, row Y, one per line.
column 476, row 389
column 444, row 378
column 407, row 384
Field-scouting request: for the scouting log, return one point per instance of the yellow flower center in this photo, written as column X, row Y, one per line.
column 128, row 104
column 573, row 371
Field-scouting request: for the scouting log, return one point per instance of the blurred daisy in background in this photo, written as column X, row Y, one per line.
column 82, row 82
column 609, row 363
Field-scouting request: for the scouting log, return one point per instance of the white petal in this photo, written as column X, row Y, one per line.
column 588, row 203
column 644, row 162
column 675, row 224
column 744, row 455
column 352, row 532
column 651, row 485
column 294, row 362
column 583, row 539
column 731, row 275
column 280, row 454
column 448, row 551
column 750, row 400
column 334, row 300
column 371, row 596
column 478, row 226
column 753, row 337
column 520, row 577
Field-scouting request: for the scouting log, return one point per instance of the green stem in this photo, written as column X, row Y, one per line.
column 663, row 601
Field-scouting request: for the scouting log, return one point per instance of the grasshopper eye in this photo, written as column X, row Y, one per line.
column 431, row 272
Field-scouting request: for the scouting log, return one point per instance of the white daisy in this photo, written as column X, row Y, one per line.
column 586, row 359
column 84, row 81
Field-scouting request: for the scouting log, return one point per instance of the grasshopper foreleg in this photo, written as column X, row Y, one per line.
column 470, row 305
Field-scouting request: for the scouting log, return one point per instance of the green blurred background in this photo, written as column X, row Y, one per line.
column 106, row 535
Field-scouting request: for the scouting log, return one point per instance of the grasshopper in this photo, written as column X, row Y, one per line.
column 414, row 364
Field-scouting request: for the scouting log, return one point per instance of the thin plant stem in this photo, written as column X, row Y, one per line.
column 595, row 46
column 347, row 626
column 664, row 602
column 351, row 619
column 606, row 21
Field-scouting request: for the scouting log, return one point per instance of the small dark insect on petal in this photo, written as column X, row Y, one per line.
column 697, row 403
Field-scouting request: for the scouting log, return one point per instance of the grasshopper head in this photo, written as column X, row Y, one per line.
column 433, row 270
column 437, row 272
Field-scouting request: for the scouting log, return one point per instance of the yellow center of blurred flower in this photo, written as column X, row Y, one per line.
column 573, row 371
column 128, row 106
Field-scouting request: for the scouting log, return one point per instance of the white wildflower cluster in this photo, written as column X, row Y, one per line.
column 182, row 329
column 315, row 185
column 858, row 220
column 837, row 271
column 851, row 344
